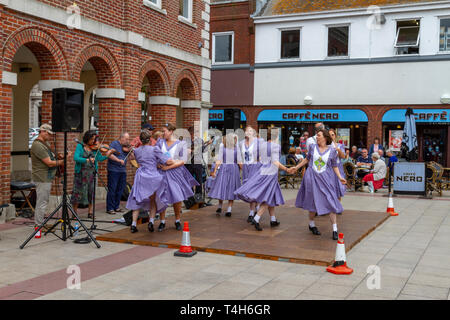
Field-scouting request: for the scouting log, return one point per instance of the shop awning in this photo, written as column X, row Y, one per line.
column 316, row 115
column 218, row 115
column 421, row 115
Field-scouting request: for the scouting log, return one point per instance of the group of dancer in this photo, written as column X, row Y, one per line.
column 162, row 179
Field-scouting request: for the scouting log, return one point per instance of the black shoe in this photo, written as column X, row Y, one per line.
column 219, row 210
column 274, row 223
column 315, row 231
column 335, row 235
column 249, row 219
column 134, row 229
column 161, row 227
column 150, row 227
column 178, row 226
column 228, row 214
column 257, row 226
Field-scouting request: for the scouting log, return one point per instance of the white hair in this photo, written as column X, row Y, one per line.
column 375, row 155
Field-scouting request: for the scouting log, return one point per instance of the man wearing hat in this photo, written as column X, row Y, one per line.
column 136, row 142
column 43, row 170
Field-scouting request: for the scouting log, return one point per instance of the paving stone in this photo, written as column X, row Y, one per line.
column 338, row 291
column 425, row 291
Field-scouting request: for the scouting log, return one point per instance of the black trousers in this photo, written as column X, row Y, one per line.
column 196, row 170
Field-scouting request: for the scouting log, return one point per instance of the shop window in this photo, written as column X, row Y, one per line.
column 223, row 47
column 338, row 41
column 444, row 35
column 186, row 9
column 408, row 36
column 290, row 44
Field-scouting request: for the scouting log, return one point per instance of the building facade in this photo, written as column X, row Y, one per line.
column 355, row 67
column 136, row 60
column 232, row 57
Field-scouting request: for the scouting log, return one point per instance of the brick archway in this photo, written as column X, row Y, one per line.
column 45, row 48
column 189, row 85
column 157, row 76
column 104, row 63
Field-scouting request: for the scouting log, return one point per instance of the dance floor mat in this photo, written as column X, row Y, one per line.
column 291, row 241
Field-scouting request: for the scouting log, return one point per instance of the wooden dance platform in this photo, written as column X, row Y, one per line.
column 291, row 241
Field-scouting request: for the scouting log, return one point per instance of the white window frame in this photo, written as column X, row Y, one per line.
column 396, row 45
column 150, row 3
column 439, row 36
column 328, row 26
column 299, row 29
column 417, row 45
column 225, row 33
column 190, row 10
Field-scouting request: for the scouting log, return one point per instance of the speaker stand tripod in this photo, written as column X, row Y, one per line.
column 66, row 206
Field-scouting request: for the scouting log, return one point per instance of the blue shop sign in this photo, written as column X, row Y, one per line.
column 218, row 115
column 317, row 115
column 421, row 115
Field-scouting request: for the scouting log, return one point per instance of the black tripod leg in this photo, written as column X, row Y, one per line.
column 40, row 227
column 84, row 227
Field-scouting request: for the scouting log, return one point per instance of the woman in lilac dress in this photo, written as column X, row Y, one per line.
column 149, row 188
column 318, row 192
column 263, row 187
column 340, row 149
column 226, row 173
column 179, row 181
column 250, row 149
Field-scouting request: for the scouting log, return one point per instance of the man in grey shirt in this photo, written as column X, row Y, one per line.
column 43, row 170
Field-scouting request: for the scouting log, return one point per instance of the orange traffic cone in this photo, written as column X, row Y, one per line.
column 390, row 208
column 340, row 263
column 185, row 248
column 38, row 234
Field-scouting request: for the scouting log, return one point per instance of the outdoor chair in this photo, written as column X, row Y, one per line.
column 350, row 175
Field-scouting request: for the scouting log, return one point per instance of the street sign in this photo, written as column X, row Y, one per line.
column 409, row 178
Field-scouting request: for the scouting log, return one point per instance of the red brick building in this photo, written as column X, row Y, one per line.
column 232, row 31
column 130, row 51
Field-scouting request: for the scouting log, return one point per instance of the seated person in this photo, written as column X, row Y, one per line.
column 364, row 161
column 291, row 158
column 391, row 160
column 376, row 177
column 298, row 154
column 355, row 153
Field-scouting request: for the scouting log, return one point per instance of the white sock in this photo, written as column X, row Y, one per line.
column 133, row 224
column 163, row 221
column 257, row 218
column 334, row 227
column 273, row 218
column 229, row 209
column 252, row 213
column 178, row 220
column 152, row 220
column 312, row 224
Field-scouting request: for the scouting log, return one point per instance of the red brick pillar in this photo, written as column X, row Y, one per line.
column 191, row 112
column 5, row 141
column 110, row 125
column 374, row 130
column 163, row 109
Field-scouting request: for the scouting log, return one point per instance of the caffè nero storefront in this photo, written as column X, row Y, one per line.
column 433, row 132
column 217, row 118
column 350, row 124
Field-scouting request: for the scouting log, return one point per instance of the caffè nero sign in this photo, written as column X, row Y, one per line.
column 319, row 115
column 409, row 178
column 310, row 116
